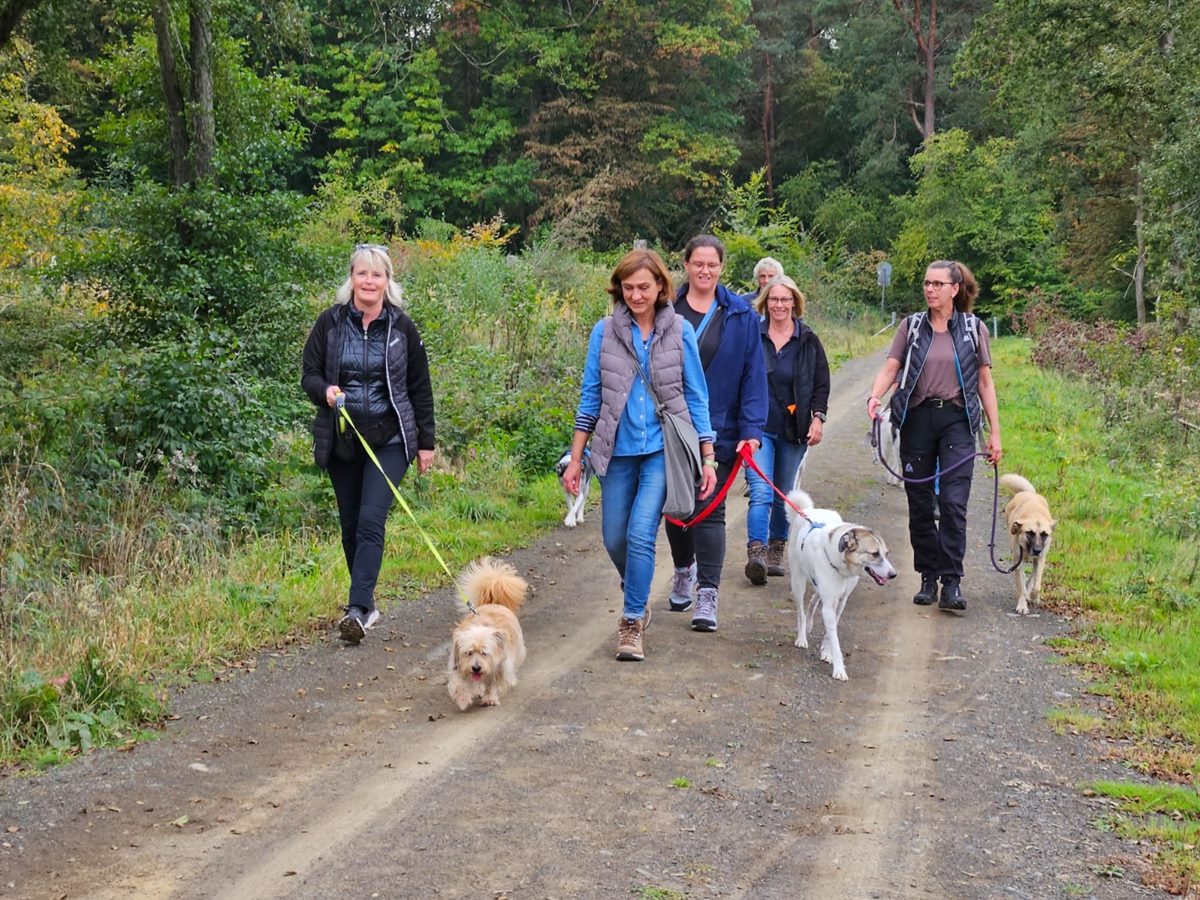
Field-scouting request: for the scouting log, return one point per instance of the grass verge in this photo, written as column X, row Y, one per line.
column 88, row 662
column 1127, row 565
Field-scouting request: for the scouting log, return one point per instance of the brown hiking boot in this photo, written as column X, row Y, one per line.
column 756, row 562
column 629, row 638
column 775, row 552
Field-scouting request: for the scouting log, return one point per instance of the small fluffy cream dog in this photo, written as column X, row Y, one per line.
column 487, row 646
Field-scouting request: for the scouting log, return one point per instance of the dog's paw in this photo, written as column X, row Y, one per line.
column 840, row 675
column 802, row 641
column 1022, row 608
column 569, row 521
column 826, row 656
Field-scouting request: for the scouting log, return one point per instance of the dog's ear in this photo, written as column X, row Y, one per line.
column 499, row 636
column 849, row 541
column 1015, row 528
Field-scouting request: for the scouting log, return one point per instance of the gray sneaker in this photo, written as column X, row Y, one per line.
column 683, row 586
column 705, row 616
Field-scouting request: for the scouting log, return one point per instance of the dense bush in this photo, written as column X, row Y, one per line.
column 1147, row 384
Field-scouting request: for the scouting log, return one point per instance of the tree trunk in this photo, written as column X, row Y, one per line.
column 1139, row 268
column 927, row 47
column 768, row 121
column 204, row 128
column 181, row 167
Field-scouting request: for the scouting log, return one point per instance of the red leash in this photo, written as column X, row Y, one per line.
column 745, row 458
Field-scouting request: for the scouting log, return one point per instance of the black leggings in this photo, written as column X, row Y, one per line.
column 363, row 500
column 705, row 542
column 933, row 437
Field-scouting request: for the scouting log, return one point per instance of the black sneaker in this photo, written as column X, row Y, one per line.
column 928, row 592
column 952, row 597
column 353, row 625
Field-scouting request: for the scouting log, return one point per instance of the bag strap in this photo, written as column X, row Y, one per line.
column 658, row 407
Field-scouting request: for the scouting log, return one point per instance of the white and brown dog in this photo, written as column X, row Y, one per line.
column 576, row 504
column 487, row 646
column 1031, row 527
column 831, row 555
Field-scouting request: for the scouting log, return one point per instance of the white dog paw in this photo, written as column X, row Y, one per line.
column 802, row 642
column 1022, row 608
column 569, row 521
column 826, row 656
column 840, row 675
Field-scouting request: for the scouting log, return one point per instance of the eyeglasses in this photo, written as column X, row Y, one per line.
column 938, row 285
column 383, row 248
column 706, row 265
column 781, row 301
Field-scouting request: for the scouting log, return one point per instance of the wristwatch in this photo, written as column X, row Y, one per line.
column 821, row 416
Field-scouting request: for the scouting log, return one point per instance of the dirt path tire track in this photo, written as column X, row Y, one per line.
column 728, row 764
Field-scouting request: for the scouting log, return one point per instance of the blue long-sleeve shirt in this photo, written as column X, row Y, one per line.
column 639, row 431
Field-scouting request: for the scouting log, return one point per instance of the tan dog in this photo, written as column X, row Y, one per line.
column 487, row 646
column 1031, row 526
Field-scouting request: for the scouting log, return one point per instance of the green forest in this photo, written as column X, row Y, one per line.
column 181, row 184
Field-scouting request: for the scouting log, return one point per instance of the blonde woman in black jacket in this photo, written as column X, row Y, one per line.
column 365, row 352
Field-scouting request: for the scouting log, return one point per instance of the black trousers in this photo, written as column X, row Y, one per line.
column 704, row 542
column 934, row 437
column 363, row 500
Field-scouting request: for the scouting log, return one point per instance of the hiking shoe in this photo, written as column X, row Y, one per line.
column 705, row 616
column 629, row 638
column 952, row 597
column 775, row 553
column 683, row 586
column 353, row 625
column 928, row 592
column 756, row 562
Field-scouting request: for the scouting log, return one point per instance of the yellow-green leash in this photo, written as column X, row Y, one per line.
column 340, row 401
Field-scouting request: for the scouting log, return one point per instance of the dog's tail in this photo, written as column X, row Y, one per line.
column 489, row 580
column 1015, row 484
column 797, row 498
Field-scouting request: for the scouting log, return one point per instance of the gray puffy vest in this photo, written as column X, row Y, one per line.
column 617, row 373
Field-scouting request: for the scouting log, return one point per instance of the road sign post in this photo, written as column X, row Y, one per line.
column 883, row 275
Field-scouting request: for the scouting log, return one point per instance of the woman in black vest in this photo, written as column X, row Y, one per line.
column 943, row 377
column 797, row 403
column 365, row 352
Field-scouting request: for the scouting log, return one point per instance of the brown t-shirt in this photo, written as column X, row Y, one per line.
column 938, row 378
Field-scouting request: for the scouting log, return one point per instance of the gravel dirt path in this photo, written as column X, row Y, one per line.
column 725, row 765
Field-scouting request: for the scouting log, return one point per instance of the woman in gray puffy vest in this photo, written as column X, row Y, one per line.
column 365, row 352
column 617, row 413
column 941, row 365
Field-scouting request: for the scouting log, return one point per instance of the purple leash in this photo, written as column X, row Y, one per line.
column 876, row 424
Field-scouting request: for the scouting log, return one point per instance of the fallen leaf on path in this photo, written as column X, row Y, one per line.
column 181, row 821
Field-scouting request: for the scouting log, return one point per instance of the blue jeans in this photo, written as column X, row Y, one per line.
column 779, row 460
column 632, row 494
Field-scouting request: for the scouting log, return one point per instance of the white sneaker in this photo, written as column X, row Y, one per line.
column 371, row 619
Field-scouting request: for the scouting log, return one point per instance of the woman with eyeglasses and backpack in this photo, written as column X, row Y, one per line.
column 365, row 354
column 941, row 365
